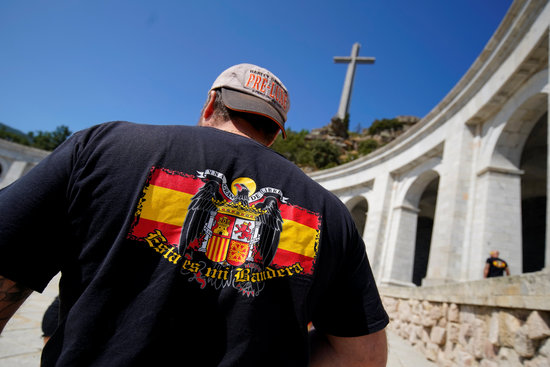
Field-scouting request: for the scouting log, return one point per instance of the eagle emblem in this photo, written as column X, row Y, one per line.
column 234, row 224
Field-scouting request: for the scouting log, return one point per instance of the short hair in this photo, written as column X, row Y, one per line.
column 261, row 123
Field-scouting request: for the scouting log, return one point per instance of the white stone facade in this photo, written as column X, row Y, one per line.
column 16, row 160
column 461, row 181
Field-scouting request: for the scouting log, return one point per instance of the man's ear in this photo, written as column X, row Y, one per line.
column 209, row 108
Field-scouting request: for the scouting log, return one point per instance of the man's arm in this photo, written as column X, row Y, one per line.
column 362, row 351
column 12, row 296
column 486, row 271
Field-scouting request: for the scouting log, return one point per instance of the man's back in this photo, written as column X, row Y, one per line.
column 181, row 244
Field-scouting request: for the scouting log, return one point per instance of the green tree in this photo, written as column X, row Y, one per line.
column 293, row 147
column 315, row 153
column 325, row 154
column 49, row 140
column 13, row 137
column 367, row 146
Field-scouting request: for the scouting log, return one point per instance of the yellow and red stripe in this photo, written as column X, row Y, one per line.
column 166, row 199
column 217, row 248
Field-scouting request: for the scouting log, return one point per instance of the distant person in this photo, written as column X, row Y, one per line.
column 495, row 266
column 192, row 245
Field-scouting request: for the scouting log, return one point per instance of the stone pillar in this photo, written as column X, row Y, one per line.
column 399, row 261
column 469, row 246
column 448, row 238
column 497, row 225
column 547, row 257
column 379, row 203
column 16, row 170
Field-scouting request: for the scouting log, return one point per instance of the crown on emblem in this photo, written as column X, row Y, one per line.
column 238, row 209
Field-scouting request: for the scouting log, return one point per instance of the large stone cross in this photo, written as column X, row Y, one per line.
column 352, row 60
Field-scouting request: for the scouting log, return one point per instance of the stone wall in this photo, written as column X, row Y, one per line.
column 488, row 323
column 16, row 160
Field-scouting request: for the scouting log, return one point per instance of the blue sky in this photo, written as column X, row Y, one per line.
column 79, row 63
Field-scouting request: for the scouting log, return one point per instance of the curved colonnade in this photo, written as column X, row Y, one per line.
column 468, row 178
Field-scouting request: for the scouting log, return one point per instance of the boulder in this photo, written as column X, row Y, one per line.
column 432, row 351
column 479, row 338
column 494, row 329
column 452, row 314
column 537, row 326
column 437, row 335
column 508, row 326
column 453, row 332
column 464, row 334
column 522, row 344
column 507, row 357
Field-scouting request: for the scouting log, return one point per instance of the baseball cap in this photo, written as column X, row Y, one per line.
column 253, row 89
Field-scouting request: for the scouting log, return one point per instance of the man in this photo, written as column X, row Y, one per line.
column 495, row 266
column 187, row 245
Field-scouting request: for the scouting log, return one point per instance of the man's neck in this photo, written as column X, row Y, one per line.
column 238, row 127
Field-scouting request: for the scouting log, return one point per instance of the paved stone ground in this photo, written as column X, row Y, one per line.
column 21, row 341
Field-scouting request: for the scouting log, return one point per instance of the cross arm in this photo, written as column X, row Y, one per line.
column 342, row 59
column 359, row 60
column 365, row 60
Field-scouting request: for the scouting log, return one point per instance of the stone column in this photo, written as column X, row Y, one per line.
column 470, row 247
column 16, row 170
column 448, row 238
column 379, row 203
column 398, row 267
column 497, row 225
column 547, row 257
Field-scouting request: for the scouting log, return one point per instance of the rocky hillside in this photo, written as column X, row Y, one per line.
column 334, row 144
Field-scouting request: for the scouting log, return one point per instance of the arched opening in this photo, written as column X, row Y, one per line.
column 424, row 228
column 358, row 208
column 533, row 196
column 411, row 228
column 517, row 216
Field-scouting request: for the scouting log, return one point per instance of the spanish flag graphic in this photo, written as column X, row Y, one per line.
column 164, row 205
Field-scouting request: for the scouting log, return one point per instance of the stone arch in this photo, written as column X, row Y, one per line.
column 411, row 240
column 359, row 207
column 533, row 163
column 422, row 196
column 505, row 135
column 516, row 180
column 424, row 230
column 512, row 139
column 417, row 188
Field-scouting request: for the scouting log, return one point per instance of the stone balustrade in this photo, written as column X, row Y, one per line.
column 487, row 323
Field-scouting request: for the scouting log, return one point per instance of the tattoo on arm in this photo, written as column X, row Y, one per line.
column 12, row 295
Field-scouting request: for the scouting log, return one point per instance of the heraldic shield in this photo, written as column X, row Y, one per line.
column 233, row 224
column 232, row 234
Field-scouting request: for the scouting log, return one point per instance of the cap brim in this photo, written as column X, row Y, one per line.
column 242, row 102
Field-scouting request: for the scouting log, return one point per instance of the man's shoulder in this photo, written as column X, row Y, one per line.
column 126, row 130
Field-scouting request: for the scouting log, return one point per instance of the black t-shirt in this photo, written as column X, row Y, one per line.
column 182, row 245
column 497, row 267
